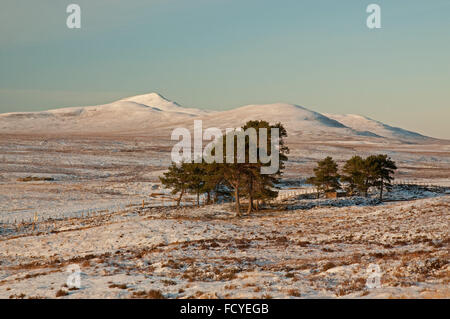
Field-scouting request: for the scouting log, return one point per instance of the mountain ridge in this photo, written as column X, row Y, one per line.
column 152, row 110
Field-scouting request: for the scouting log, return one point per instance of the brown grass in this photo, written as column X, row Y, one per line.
column 294, row 293
column 61, row 293
column 120, row 286
column 151, row 294
column 328, row 265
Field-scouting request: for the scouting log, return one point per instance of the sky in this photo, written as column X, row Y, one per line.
column 221, row 54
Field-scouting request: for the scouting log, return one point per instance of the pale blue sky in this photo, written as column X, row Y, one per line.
column 221, row 54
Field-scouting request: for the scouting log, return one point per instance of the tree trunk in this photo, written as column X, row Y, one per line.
column 366, row 189
column 250, row 205
column 236, row 196
column 198, row 199
column 208, row 198
column 179, row 198
column 381, row 190
column 250, row 196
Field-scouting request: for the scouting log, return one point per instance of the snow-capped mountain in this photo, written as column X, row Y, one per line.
column 362, row 123
column 157, row 101
column 142, row 112
column 298, row 120
column 151, row 113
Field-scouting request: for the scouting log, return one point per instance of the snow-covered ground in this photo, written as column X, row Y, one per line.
column 207, row 252
column 303, row 247
column 80, row 186
column 96, row 173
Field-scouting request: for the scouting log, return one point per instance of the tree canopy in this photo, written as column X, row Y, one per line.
column 242, row 176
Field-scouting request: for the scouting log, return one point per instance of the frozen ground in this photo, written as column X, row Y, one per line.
column 95, row 173
column 70, row 199
column 206, row 252
column 108, row 156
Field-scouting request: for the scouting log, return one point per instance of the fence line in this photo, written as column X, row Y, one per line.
column 295, row 193
column 34, row 223
column 312, row 190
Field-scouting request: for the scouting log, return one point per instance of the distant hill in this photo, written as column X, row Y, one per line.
column 362, row 123
column 151, row 113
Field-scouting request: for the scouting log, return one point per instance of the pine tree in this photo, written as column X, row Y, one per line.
column 260, row 186
column 246, row 178
column 213, row 181
column 196, row 179
column 242, row 179
column 380, row 170
column 234, row 176
column 355, row 173
column 326, row 177
column 177, row 179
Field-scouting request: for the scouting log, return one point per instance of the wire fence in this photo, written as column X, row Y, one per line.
column 283, row 195
column 47, row 223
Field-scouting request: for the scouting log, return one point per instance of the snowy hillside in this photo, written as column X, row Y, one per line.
column 362, row 123
column 157, row 101
column 206, row 252
column 150, row 113
column 298, row 120
column 141, row 112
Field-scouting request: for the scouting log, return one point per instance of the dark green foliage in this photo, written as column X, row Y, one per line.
column 196, row 179
column 355, row 174
column 326, row 177
column 374, row 171
column 246, row 179
column 380, row 170
column 177, row 179
column 240, row 179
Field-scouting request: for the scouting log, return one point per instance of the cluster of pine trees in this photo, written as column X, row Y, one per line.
column 231, row 178
column 358, row 175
